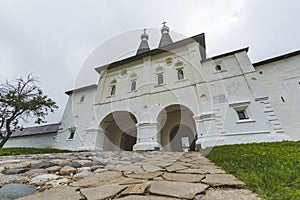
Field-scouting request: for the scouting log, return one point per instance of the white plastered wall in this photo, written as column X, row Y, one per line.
column 80, row 115
column 34, row 141
column 282, row 79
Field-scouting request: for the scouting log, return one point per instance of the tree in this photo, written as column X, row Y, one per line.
column 21, row 99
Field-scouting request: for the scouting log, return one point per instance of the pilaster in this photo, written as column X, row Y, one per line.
column 94, row 139
column 147, row 137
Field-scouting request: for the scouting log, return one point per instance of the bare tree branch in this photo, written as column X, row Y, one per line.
column 21, row 99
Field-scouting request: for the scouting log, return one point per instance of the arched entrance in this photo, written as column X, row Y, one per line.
column 177, row 128
column 182, row 136
column 128, row 139
column 120, row 131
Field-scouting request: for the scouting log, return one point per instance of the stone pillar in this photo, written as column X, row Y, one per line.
column 147, row 137
column 94, row 139
column 205, row 125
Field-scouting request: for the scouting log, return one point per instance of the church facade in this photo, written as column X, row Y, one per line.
column 174, row 98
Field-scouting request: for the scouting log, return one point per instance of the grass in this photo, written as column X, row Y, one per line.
column 19, row 151
column 272, row 170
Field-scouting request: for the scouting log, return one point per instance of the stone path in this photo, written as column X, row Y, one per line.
column 117, row 175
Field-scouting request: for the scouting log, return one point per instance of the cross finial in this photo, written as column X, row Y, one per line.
column 144, row 30
column 164, row 23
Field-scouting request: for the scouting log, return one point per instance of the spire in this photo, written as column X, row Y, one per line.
column 144, row 46
column 165, row 37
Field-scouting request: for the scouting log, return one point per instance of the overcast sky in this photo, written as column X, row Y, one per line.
column 52, row 39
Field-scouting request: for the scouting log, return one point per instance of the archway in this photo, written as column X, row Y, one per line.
column 128, row 139
column 120, row 131
column 177, row 128
column 182, row 136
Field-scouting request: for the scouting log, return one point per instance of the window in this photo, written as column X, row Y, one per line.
column 113, row 90
column 180, row 74
column 242, row 114
column 133, row 85
column 218, row 68
column 160, row 79
column 72, row 133
column 82, row 99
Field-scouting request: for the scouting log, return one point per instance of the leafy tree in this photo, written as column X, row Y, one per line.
column 21, row 99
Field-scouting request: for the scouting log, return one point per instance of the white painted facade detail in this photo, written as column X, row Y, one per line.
column 217, row 101
column 210, row 98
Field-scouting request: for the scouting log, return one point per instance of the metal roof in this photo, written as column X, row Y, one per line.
column 37, row 130
column 94, row 86
column 144, row 47
column 226, row 54
column 277, row 58
column 165, row 40
column 197, row 38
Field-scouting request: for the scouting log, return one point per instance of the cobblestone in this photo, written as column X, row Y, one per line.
column 122, row 175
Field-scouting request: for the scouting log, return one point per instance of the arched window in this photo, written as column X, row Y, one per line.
column 133, row 85
column 113, row 90
column 218, row 68
column 180, row 74
column 160, row 79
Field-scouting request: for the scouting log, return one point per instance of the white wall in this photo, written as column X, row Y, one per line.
column 282, row 79
column 80, row 115
column 236, row 84
column 204, row 90
column 212, row 96
column 34, row 141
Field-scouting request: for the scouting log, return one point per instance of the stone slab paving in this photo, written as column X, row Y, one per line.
column 118, row 175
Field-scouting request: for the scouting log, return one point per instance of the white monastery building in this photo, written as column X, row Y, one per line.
column 175, row 98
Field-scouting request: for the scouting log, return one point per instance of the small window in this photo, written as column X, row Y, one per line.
column 218, row 68
column 133, row 85
column 180, row 74
column 242, row 114
column 72, row 133
column 113, row 90
column 160, row 79
column 82, row 99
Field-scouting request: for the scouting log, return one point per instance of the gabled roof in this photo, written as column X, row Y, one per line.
column 37, row 130
column 277, row 58
column 197, row 38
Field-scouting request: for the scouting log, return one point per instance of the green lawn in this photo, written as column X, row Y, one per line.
column 271, row 170
column 19, row 151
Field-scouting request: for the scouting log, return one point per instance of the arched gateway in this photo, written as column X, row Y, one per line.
column 120, row 131
column 177, row 128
